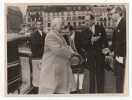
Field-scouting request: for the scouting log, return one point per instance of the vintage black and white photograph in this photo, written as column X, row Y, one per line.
column 66, row 49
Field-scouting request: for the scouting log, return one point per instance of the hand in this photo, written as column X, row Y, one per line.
column 69, row 47
column 120, row 59
column 83, row 60
column 111, row 54
column 109, row 60
column 105, row 51
column 75, row 60
column 39, row 64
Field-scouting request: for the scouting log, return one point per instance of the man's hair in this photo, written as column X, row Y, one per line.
column 92, row 17
column 69, row 27
column 118, row 10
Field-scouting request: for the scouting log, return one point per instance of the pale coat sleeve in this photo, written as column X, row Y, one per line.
column 56, row 46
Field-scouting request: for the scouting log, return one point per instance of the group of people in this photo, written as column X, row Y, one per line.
column 54, row 53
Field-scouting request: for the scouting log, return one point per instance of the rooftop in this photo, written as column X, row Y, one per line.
column 59, row 8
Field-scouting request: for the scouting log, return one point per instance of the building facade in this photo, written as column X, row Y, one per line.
column 75, row 15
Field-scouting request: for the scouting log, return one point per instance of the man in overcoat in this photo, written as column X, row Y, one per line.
column 119, row 47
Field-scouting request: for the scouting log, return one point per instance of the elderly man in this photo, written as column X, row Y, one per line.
column 119, row 47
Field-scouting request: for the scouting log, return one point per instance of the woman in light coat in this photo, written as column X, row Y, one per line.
column 56, row 76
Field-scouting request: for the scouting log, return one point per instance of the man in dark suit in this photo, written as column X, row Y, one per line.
column 90, row 43
column 37, row 48
column 119, row 47
column 37, row 44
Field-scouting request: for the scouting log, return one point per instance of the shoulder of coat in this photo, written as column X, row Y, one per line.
column 51, row 34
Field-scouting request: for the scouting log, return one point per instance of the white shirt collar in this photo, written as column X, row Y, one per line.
column 93, row 28
column 40, row 32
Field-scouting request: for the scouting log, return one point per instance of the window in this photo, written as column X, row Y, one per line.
column 49, row 24
column 74, row 23
column 79, row 17
column 68, row 18
column 74, row 18
column 79, row 23
column 83, row 22
column 83, row 17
